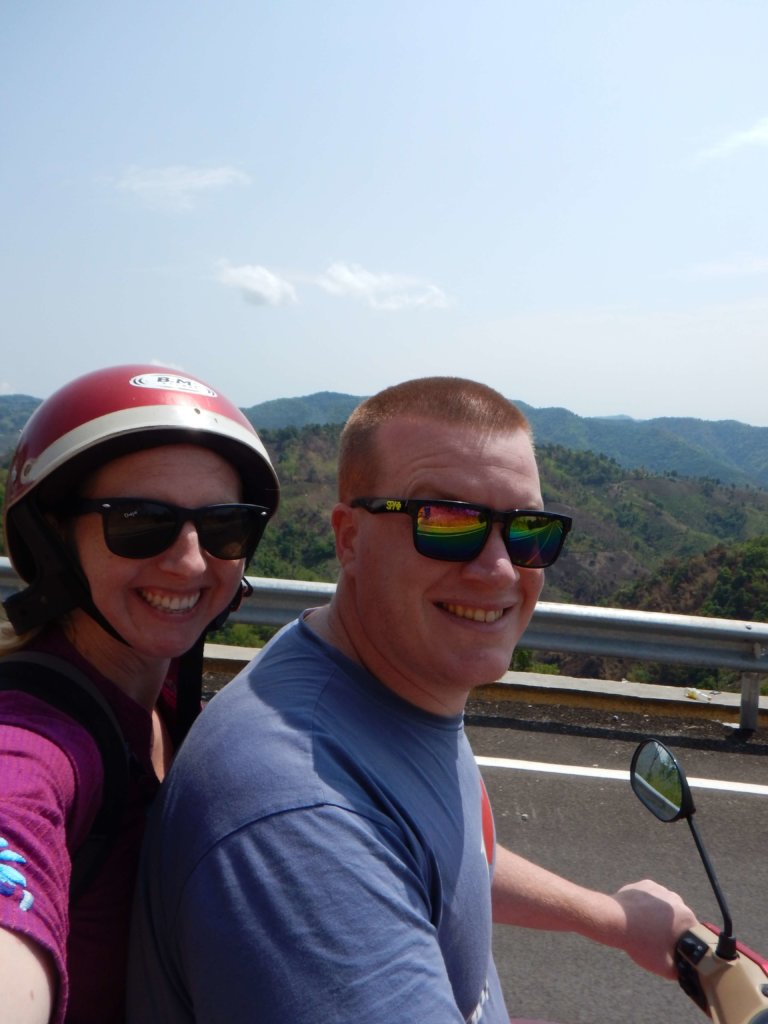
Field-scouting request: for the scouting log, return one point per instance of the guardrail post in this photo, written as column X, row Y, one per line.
column 750, row 701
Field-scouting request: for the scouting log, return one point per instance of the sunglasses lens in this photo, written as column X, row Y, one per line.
column 143, row 529
column 229, row 531
column 450, row 532
column 139, row 531
column 534, row 542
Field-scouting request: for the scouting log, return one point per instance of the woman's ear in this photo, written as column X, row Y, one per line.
column 55, row 523
column 63, row 528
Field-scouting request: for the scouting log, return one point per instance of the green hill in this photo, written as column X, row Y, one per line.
column 320, row 408
column 627, row 524
column 662, row 542
column 640, row 540
column 15, row 410
column 723, row 451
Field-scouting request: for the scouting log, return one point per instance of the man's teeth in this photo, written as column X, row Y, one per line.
column 476, row 614
column 175, row 603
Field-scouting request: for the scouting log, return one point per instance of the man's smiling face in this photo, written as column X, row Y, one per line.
column 428, row 629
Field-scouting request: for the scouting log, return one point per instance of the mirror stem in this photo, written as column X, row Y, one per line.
column 726, row 943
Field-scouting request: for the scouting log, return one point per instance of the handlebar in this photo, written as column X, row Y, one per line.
column 730, row 991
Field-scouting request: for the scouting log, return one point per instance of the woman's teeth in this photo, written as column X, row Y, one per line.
column 171, row 603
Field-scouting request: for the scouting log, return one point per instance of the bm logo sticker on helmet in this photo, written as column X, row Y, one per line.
column 165, row 382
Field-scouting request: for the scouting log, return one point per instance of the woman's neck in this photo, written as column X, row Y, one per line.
column 140, row 677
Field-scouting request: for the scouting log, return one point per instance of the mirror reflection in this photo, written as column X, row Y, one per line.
column 657, row 781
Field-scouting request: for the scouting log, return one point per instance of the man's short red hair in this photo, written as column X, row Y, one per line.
column 449, row 400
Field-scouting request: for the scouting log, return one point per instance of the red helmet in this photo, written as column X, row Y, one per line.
column 97, row 418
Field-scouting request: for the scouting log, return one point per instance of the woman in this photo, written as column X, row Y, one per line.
column 135, row 499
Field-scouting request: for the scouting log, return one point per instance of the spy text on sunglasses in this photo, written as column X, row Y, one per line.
column 143, row 528
column 456, row 531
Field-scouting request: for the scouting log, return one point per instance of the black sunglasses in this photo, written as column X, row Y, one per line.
column 141, row 528
column 456, row 531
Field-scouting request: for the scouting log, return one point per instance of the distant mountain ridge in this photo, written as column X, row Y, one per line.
column 311, row 410
column 681, row 539
column 722, row 450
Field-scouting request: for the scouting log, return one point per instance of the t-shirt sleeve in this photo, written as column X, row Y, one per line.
column 314, row 915
column 51, row 790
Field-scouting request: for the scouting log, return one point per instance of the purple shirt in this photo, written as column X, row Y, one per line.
column 50, row 791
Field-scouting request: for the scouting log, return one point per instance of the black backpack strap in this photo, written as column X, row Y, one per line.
column 50, row 679
column 189, row 691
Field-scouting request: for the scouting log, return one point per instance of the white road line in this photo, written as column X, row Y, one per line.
column 611, row 773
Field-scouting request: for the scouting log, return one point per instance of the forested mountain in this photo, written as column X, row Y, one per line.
column 724, row 450
column 627, row 525
column 659, row 543
column 662, row 541
column 15, row 410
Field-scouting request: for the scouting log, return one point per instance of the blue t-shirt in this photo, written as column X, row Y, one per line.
column 316, row 855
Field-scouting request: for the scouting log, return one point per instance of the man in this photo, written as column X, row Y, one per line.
column 323, row 849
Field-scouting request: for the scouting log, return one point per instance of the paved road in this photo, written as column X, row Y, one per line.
column 596, row 832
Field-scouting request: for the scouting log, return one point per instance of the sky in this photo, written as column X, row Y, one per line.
column 565, row 199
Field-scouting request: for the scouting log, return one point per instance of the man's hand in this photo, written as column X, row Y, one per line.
column 655, row 920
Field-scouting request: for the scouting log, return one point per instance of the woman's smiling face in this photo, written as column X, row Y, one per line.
column 159, row 605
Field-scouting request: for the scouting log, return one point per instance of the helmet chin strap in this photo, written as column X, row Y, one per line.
column 189, row 686
column 59, row 589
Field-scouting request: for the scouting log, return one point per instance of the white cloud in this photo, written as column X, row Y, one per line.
column 381, row 291
column 756, row 136
column 258, row 285
column 177, row 187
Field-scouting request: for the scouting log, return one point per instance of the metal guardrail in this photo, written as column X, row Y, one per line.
column 562, row 628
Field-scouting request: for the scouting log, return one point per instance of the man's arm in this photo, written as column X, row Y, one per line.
column 26, row 980
column 643, row 919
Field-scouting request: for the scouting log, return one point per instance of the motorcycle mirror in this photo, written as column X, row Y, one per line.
column 660, row 784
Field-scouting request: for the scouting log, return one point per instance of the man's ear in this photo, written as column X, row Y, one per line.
column 344, row 521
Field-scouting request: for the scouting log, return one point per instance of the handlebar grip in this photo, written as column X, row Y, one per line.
column 689, row 950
